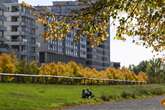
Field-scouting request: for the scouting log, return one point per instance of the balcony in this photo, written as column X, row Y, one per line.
column 2, row 17
column 13, row 33
column 4, row 48
column 2, row 28
column 10, row 23
column 24, row 52
column 28, row 15
column 17, row 42
column 12, row 13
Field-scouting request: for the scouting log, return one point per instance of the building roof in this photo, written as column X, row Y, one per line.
column 8, row 1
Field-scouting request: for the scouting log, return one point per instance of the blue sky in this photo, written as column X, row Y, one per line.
column 121, row 51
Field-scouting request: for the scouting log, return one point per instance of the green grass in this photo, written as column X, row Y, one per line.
column 49, row 97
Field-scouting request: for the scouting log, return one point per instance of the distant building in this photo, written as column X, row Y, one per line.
column 20, row 31
column 115, row 64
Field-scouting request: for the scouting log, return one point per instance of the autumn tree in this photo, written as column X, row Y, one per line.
column 23, row 67
column 7, row 63
column 154, row 68
column 142, row 76
column 74, row 68
column 144, row 19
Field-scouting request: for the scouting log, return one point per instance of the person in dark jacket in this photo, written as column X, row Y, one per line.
column 86, row 93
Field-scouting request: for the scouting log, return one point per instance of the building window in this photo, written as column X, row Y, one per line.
column 14, row 18
column 83, row 46
column 1, row 12
column 33, row 58
column 23, row 48
column 84, row 53
column 50, row 46
column 15, row 48
column 33, row 49
column 69, row 34
column 89, row 62
column 14, row 28
column 23, row 57
column 33, row 31
column 1, row 34
column 14, row 38
column 14, row 9
column 90, row 56
column 33, row 40
column 1, row 22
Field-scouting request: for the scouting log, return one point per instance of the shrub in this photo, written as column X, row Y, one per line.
column 144, row 92
column 23, row 67
column 157, row 91
column 105, row 97
column 128, row 95
column 142, row 76
column 7, row 63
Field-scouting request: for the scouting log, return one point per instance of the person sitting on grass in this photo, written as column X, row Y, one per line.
column 86, row 93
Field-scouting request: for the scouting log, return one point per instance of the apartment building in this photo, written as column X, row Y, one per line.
column 2, row 19
column 4, row 48
column 99, row 57
column 64, row 50
column 20, row 31
column 67, row 50
column 24, row 37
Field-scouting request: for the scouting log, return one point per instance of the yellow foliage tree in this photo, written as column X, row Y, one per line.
column 7, row 63
column 142, row 76
column 128, row 74
column 76, row 70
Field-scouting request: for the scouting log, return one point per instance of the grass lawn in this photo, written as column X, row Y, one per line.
column 48, row 97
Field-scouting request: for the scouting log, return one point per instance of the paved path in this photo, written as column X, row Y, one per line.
column 145, row 104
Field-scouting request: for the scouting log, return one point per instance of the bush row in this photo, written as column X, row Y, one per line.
column 9, row 64
column 73, row 69
column 140, row 92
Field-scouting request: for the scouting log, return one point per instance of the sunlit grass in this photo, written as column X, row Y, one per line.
column 48, row 97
